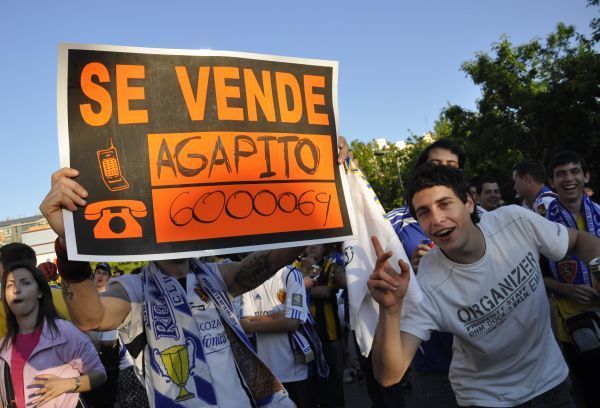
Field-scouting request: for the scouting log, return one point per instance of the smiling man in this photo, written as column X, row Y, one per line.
column 570, row 281
column 490, row 196
column 483, row 284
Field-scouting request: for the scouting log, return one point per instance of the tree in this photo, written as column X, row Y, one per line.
column 388, row 169
column 537, row 99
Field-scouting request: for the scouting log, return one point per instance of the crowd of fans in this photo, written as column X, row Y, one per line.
column 270, row 328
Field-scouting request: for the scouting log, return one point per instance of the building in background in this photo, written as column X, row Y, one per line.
column 33, row 231
column 41, row 239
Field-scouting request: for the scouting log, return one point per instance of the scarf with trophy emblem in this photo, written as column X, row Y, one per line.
column 179, row 371
column 572, row 269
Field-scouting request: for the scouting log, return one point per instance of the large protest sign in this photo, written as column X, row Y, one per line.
column 198, row 152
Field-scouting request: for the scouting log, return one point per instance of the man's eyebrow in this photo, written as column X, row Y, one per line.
column 439, row 200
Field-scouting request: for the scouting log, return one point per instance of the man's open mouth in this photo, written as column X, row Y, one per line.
column 444, row 233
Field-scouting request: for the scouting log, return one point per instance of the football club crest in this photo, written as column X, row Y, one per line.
column 568, row 270
column 201, row 293
column 281, row 295
column 541, row 210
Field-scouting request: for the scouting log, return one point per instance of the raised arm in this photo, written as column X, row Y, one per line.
column 393, row 350
column 256, row 268
column 273, row 323
column 240, row 277
column 88, row 311
column 585, row 245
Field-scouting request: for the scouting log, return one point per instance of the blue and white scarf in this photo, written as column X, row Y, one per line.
column 572, row 269
column 305, row 339
column 179, row 370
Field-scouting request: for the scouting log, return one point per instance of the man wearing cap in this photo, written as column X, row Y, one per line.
column 102, row 275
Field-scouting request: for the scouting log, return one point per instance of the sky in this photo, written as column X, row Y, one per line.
column 399, row 61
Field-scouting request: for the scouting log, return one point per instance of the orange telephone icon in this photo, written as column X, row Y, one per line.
column 116, row 218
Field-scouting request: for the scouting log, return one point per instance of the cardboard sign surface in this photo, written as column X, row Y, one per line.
column 191, row 153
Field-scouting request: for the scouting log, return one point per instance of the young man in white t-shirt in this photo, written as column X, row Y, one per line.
column 484, row 285
column 272, row 312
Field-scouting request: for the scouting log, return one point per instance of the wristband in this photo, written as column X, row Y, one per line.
column 70, row 271
column 77, row 384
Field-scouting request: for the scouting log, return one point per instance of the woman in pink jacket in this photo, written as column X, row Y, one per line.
column 44, row 360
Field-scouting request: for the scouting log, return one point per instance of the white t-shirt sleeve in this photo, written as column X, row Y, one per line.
column 133, row 287
column 551, row 238
column 295, row 299
column 247, row 304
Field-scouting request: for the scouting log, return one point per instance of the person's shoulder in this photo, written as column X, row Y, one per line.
column 399, row 212
column 400, row 217
column 126, row 287
column 128, row 280
column 434, row 270
column 69, row 330
column 506, row 214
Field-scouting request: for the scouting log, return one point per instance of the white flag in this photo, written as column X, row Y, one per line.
column 369, row 219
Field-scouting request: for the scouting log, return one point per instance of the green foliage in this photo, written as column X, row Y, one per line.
column 537, row 99
column 387, row 169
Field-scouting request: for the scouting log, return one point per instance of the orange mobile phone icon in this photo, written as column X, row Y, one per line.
column 116, row 218
column 111, row 169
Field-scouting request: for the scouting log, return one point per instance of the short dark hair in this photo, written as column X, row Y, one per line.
column 17, row 252
column 566, row 157
column 532, row 168
column 483, row 180
column 430, row 175
column 47, row 310
column 443, row 144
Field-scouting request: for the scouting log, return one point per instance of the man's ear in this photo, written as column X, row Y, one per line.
column 587, row 177
column 470, row 204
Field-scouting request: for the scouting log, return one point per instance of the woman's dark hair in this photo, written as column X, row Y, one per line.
column 431, row 175
column 46, row 309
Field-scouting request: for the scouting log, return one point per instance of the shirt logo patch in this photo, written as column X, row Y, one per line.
column 297, row 300
column 281, row 295
column 257, row 297
column 568, row 270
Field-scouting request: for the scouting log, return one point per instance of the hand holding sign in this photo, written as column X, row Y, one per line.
column 65, row 193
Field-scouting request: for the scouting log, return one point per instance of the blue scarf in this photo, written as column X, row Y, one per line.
column 572, row 269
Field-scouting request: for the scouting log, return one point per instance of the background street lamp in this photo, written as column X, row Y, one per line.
column 388, row 153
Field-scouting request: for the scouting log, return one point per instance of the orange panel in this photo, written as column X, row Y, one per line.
column 196, row 213
column 217, row 157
